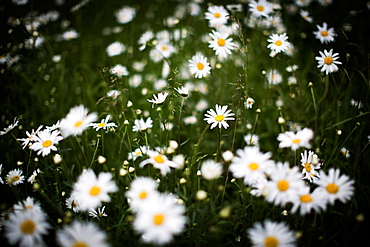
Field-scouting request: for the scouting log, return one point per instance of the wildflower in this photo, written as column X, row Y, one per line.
column 284, row 184
column 28, row 205
column 97, row 214
column 92, row 190
column 103, row 125
column 199, row 66
column 20, row 2
column 328, row 2
column 10, row 127
column 69, row 35
column 302, row 3
column 1, row 170
column 278, row 43
column 251, row 140
column 125, row 14
column 305, row 15
column 114, row 94
column 81, row 234
column 345, row 152
column 219, row 117
column 159, row 219
column 295, row 140
column 54, row 126
column 190, row 120
column 30, row 138
column 309, row 168
column 328, row 61
column 26, row 228
column 159, row 161
column 227, row 155
column 249, row 103
column 141, row 125
column 307, row 201
column 141, row 189
column 221, row 44
column 45, row 141
column 235, row 7
column 14, row 177
column 334, row 186
column 211, row 170
column 183, row 91
column 32, row 178
column 158, row 100
column 165, row 49
column 72, row 203
column 259, row 187
column 274, row 77
column 217, row 16
column 325, row 34
column 76, row 121
column 260, row 8
column 138, row 152
column 250, row 164
column 144, row 39
column 116, row 48
column 271, row 234
column 119, row 71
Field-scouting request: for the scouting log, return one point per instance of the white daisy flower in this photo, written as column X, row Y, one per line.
column 159, row 161
column 31, row 137
column 183, row 91
column 144, row 39
column 20, row 2
column 138, row 152
column 327, row 61
column 141, row 189
column 76, row 121
column 114, row 93
column 302, row 3
column 160, row 219
column 211, row 170
column 141, row 125
column 10, row 127
column 216, row 16
column 260, row 8
column 309, row 168
column 1, row 170
column 328, row 2
column 81, row 234
column 199, row 66
column 219, row 117
column 119, row 70
column 125, row 14
column 278, row 43
column 32, row 178
column 28, row 205
column 97, row 214
column 116, row 48
column 335, row 186
column 274, row 77
column 14, row 177
column 72, row 203
column 221, row 44
column 271, row 234
column 92, row 190
column 306, row 15
column 103, row 125
column 45, row 142
column 158, row 100
column 251, row 140
column 249, row 103
column 306, row 201
column 295, row 140
column 69, row 35
column 325, row 34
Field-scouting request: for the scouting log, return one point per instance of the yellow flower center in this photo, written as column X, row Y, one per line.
column 47, row 143
column 278, row 43
column 324, row 33
column 308, row 167
column 221, row 42
column 271, row 242
column 159, row 159
column 16, row 178
column 283, row 185
column 143, row 195
column 79, row 244
column 296, row 141
column 305, row 198
column 101, row 125
column 78, row 124
column 158, row 219
column 219, row 118
column 260, row 8
column 332, row 188
column 28, row 227
column 328, row 60
column 138, row 153
column 164, row 48
column 217, row 15
column 94, row 191
column 200, row 66
column 253, row 166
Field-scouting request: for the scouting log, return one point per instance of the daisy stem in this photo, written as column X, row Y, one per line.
column 95, row 151
column 258, row 111
column 218, row 146
column 146, row 139
column 314, row 103
column 179, row 123
column 326, row 90
column 82, row 149
column 196, row 148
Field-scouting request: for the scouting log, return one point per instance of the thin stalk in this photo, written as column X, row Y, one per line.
column 179, row 123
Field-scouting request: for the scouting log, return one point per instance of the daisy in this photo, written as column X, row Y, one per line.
column 327, row 2
column 97, row 214
column 302, row 3
column 284, row 184
column 72, row 203
column 271, row 234
column 216, row 16
column 114, row 94
column 190, row 120
column 26, row 228
column 306, row 201
column 328, row 61
column 325, row 34
column 69, row 35
column 219, row 117
column 81, row 234
column 138, row 152
column 125, row 14
column 116, row 48
column 259, row 187
column 221, row 44
column 183, row 91
column 45, row 142
column 249, row 103
column 335, row 186
column 211, row 170
column 104, row 125
column 295, row 140
column 235, row 7
column 199, row 66
column 159, row 161
column 305, row 15
column 20, row 2
column 278, row 43
column 14, row 177
column 28, row 205
column 76, row 121
column 260, row 8
column 158, row 100
column 54, row 126
column 144, row 39
column 251, row 140
column 119, row 70
column 141, row 125
column 250, row 164
column 32, row 178
column 31, row 137
column 160, row 219
column 92, row 190
column 10, row 127
column 1, row 170
column 309, row 166
column 141, row 189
